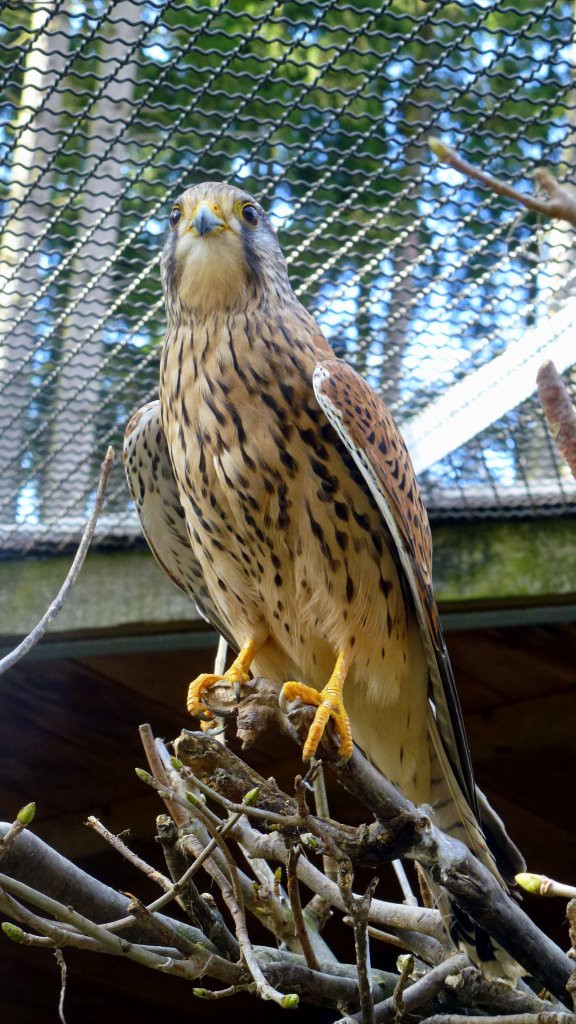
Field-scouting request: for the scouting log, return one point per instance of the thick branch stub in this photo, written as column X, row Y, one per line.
column 559, row 412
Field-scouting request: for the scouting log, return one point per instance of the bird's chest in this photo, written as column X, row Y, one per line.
column 278, row 516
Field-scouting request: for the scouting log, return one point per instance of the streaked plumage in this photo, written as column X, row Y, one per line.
column 302, row 512
column 155, row 494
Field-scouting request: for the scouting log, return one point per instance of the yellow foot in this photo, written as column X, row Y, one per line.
column 237, row 674
column 330, row 704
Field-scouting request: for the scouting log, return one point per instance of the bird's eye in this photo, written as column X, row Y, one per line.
column 250, row 214
column 175, row 215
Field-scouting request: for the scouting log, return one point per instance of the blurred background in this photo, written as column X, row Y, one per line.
column 323, row 111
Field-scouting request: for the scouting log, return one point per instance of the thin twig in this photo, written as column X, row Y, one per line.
column 55, row 608
column 402, row 877
column 420, row 993
column 380, row 936
column 561, row 204
column 220, row 659
column 406, row 964
column 120, row 846
column 206, row 916
column 223, row 993
column 63, row 976
column 175, row 809
column 329, row 864
column 540, row 885
column 358, row 908
column 300, row 929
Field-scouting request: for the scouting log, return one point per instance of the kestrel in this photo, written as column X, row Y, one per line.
column 274, row 487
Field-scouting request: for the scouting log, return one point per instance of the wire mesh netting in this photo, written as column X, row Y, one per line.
column 439, row 292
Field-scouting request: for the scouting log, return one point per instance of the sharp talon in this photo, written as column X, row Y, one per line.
column 237, row 692
column 213, row 727
column 237, row 674
column 329, row 707
column 205, row 716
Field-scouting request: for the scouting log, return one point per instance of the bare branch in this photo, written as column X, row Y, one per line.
column 419, row 994
column 63, row 976
column 545, row 1017
column 206, row 916
column 191, row 968
column 402, row 827
column 406, row 964
column 300, row 929
column 175, row 810
column 358, row 908
column 117, row 844
column 561, row 204
column 55, row 608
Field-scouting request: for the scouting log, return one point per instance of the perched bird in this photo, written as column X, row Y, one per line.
column 275, row 488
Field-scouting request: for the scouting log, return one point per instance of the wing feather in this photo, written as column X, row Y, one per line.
column 155, row 494
column 370, row 434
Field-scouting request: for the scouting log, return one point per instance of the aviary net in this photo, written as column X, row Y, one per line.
column 446, row 296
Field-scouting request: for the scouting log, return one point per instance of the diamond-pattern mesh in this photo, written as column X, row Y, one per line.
column 323, row 111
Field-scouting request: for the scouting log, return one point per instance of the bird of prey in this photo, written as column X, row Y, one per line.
column 274, row 486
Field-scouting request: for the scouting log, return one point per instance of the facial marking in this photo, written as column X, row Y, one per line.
column 222, row 253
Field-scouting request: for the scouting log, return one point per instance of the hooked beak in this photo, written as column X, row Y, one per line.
column 207, row 222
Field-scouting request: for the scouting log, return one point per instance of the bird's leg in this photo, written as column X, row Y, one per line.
column 239, row 672
column 330, row 704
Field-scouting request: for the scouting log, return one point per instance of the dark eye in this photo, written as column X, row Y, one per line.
column 250, row 214
column 175, row 215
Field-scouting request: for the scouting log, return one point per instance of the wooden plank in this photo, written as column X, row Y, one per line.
column 126, row 591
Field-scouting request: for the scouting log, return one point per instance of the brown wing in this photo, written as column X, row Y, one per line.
column 370, row 434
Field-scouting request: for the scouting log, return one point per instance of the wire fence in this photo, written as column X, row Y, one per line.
column 441, row 294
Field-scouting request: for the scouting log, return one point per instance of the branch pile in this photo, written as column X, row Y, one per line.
column 268, row 856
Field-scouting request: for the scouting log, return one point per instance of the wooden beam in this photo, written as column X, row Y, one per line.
column 504, row 563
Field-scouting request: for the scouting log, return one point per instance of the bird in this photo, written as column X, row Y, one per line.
column 274, row 487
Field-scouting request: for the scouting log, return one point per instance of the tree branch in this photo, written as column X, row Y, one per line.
column 561, row 204
column 55, row 608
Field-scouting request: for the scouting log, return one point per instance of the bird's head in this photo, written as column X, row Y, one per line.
column 221, row 253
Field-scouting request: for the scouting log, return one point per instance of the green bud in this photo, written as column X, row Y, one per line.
column 439, row 148
column 290, row 1002
column 405, row 963
column 12, row 931
column 251, row 796
column 176, row 764
column 26, row 814
column 311, row 841
column 143, row 775
column 202, row 993
column 530, row 882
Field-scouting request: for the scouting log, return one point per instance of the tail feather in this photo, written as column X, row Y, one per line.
column 494, row 849
column 452, row 812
